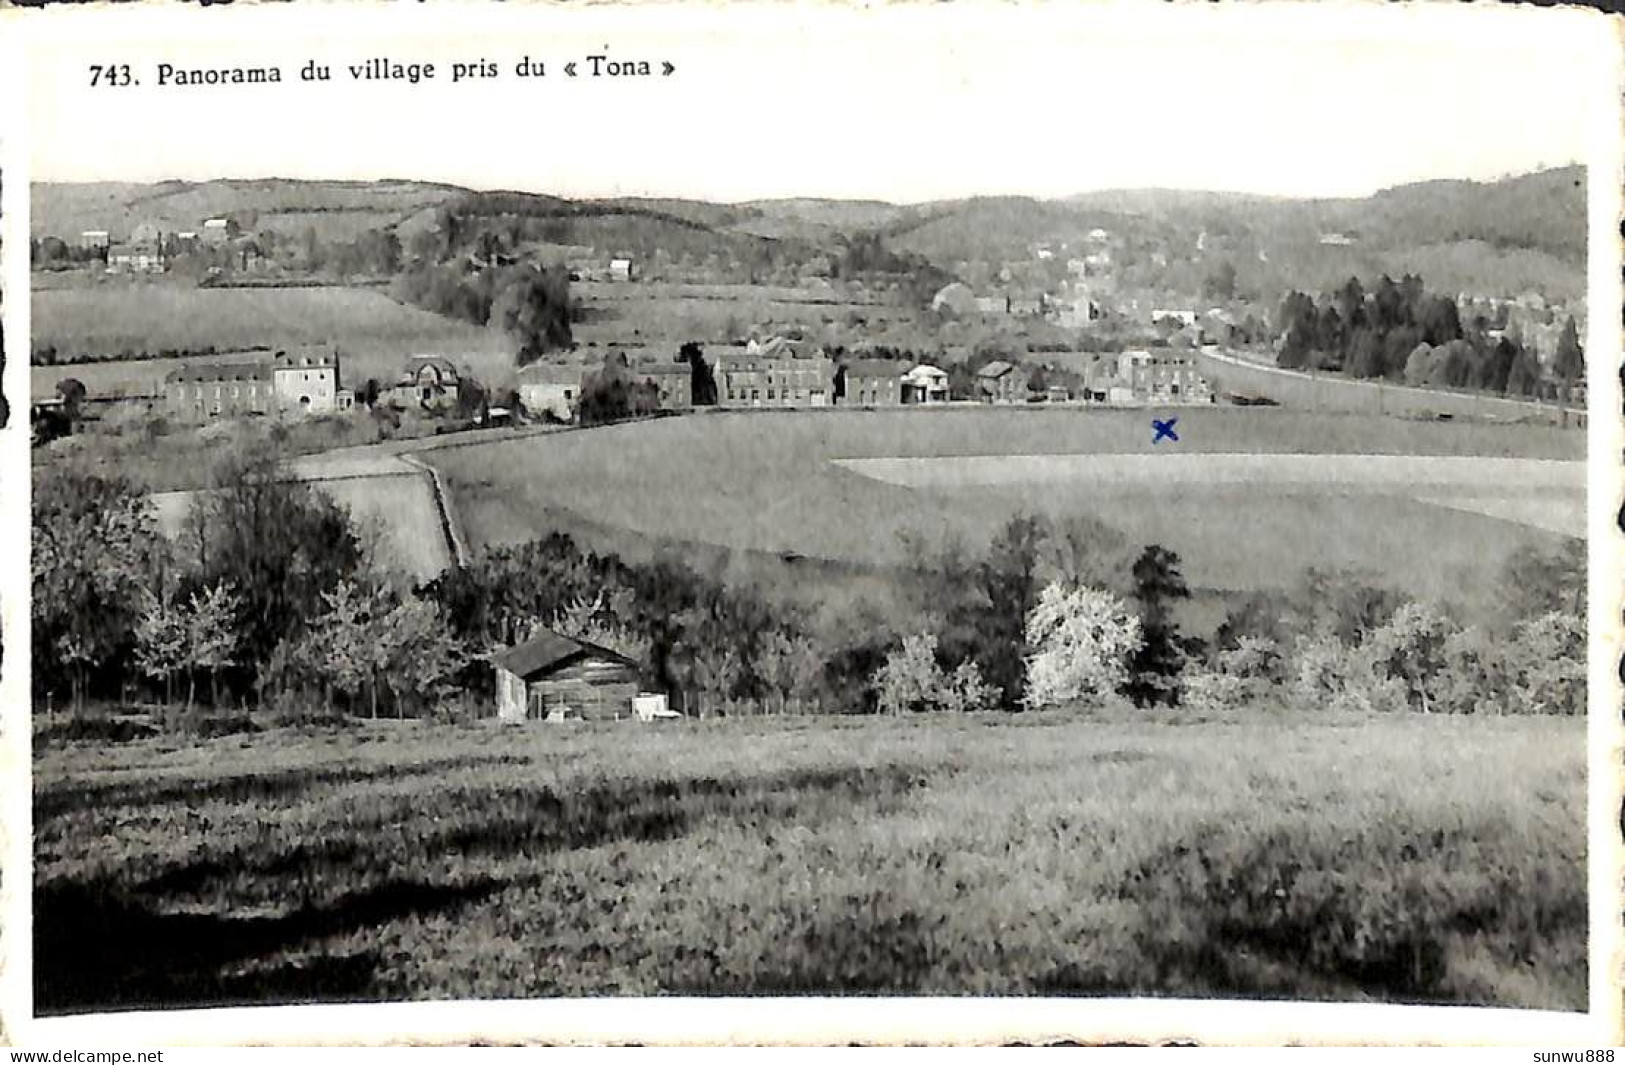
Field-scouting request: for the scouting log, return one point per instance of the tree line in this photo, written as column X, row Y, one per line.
column 271, row 597
column 1400, row 332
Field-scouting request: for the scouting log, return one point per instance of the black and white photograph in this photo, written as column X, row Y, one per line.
column 1009, row 504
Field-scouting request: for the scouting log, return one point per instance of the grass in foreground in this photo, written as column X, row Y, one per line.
column 1398, row 859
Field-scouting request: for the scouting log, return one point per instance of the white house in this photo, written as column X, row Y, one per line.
column 551, row 388
column 218, row 230
column 134, row 258
column 306, row 380
column 925, row 384
column 620, row 269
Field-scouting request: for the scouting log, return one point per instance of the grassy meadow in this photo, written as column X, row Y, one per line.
column 654, row 319
column 1406, row 858
column 374, row 334
column 767, row 483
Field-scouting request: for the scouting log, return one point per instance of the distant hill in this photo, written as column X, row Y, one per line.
column 1000, row 227
column 1498, row 236
column 1543, row 211
column 66, row 210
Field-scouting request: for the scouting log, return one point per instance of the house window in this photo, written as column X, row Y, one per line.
column 770, row 393
column 567, row 395
column 755, row 394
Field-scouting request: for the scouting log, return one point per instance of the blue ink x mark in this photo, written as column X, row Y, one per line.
column 1165, row 429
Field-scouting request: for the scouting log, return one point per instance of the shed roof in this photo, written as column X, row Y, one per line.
column 996, row 368
column 547, row 651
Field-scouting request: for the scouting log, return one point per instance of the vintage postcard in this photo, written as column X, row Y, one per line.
column 812, row 524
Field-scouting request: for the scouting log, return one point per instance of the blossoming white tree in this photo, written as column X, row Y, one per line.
column 1081, row 641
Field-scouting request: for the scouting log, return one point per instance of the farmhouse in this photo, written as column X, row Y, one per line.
column 134, row 259
column 306, row 379
column 552, row 388
column 925, row 384
column 552, row 677
column 428, row 381
column 774, row 373
column 874, row 382
column 215, row 389
column 299, row 381
column 1162, row 377
column 219, row 230
column 674, row 380
column 1001, row 382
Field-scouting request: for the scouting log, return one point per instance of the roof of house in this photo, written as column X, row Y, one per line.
column 314, row 356
column 996, row 368
column 221, row 371
column 547, row 651
column 925, row 369
column 879, row 368
column 439, row 362
column 662, row 369
column 554, row 373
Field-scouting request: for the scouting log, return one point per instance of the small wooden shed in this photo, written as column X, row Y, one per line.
column 553, row 677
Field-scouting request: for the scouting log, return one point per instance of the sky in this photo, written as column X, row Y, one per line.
column 900, row 103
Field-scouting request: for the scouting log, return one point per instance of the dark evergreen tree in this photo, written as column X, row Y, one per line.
column 1154, row 672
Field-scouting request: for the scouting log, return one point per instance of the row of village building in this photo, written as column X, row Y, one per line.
column 774, row 373
column 786, row 374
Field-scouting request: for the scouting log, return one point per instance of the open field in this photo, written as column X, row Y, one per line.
column 374, row 334
column 1408, row 858
column 391, row 503
column 769, row 482
column 664, row 316
column 1541, row 493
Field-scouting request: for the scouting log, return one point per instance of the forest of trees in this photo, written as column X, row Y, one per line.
column 458, row 270
column 1400, row 332
column 272, row 598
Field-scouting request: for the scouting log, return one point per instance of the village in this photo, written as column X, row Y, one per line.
column 1062, row 295
column 790, row 528
column 766, row 371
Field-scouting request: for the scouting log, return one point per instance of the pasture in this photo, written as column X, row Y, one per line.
column 1401, row 858
column 374, row 334
column 391, row 504
column 661, row 316
column 789, row 483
